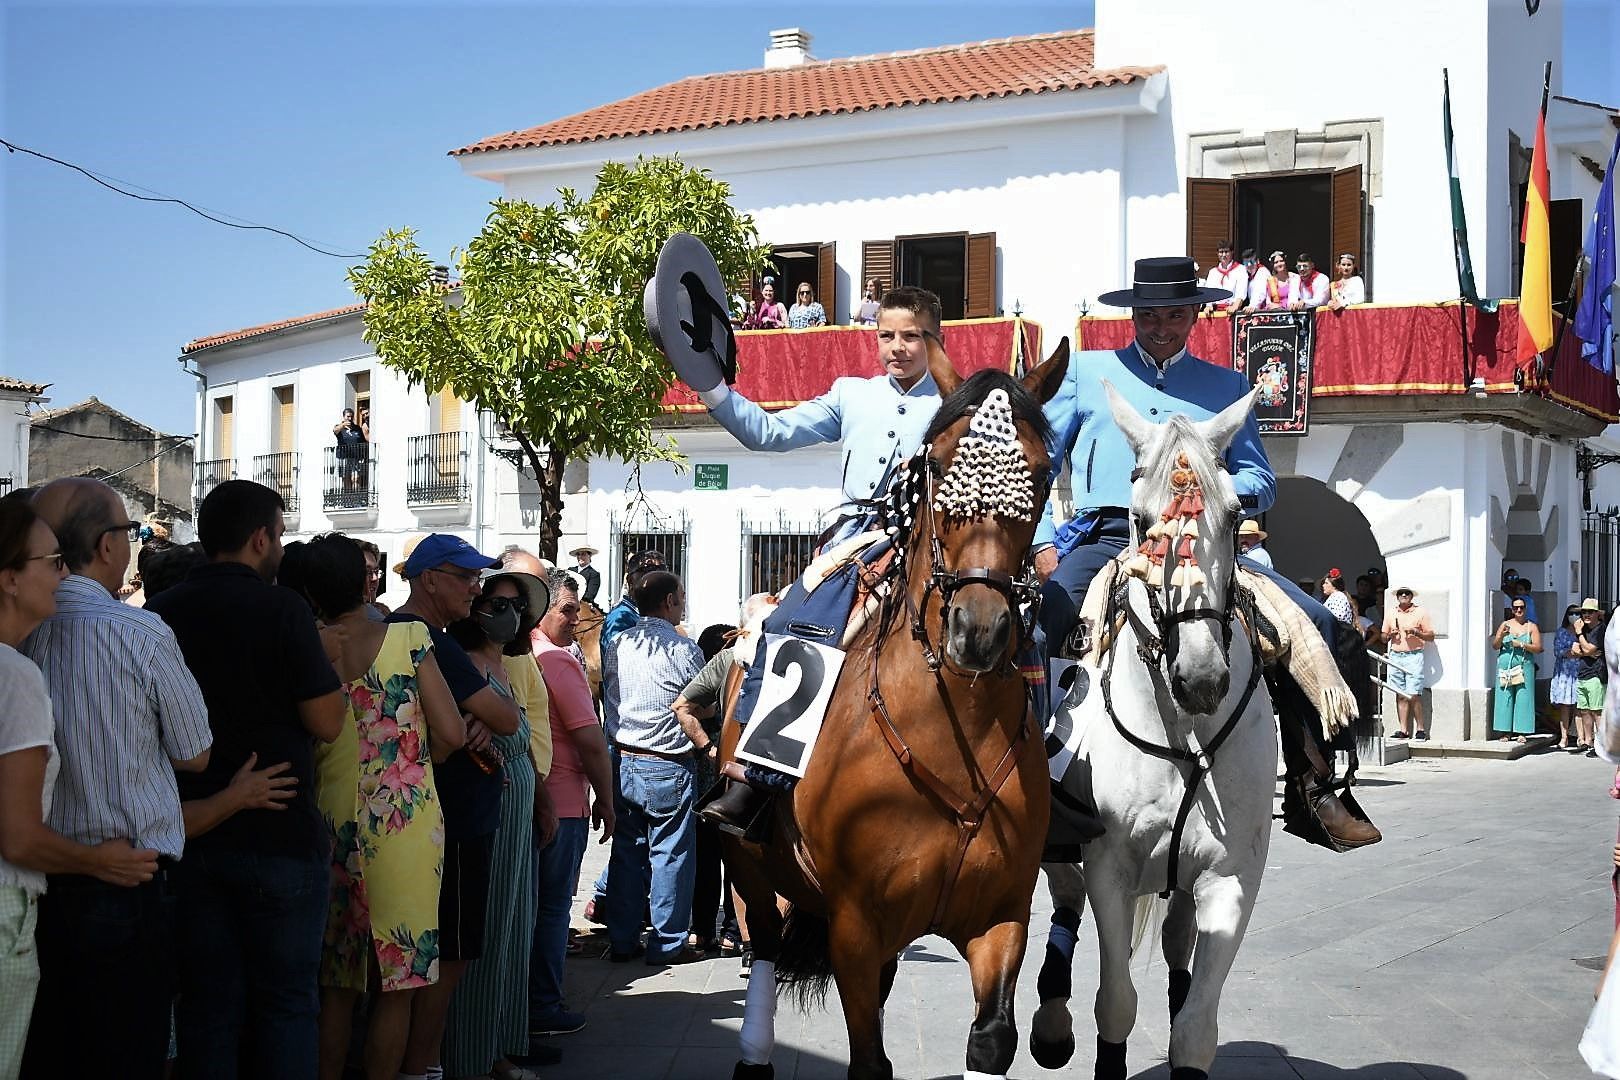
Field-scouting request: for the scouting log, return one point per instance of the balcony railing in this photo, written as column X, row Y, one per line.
column 279, row 472
column 349, row 479
column 211, row 474
column 437, row 468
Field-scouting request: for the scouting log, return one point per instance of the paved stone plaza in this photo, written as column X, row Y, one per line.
column 1446, row 952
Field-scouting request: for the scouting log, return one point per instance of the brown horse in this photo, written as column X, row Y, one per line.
column 589, row 636
column 924, row 807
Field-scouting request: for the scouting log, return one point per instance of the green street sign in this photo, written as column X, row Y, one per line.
column 709, row 477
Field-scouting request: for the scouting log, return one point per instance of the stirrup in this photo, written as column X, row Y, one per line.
column 1303, row 808
column 738, row 808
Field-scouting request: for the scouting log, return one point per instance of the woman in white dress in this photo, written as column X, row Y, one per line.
column 1347, row 287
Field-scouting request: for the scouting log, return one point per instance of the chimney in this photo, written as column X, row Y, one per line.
column 789, row 48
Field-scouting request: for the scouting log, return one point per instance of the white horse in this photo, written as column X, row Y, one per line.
column 1173, row 727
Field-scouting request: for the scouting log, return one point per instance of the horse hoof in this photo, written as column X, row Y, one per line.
column 1051, row 1055
column 1110, row 1060
column 746, row 1071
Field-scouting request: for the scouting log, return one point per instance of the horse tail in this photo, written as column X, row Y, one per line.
column 1150, row 913
column 804, row 964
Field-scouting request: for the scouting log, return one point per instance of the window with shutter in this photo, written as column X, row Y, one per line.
column 446, row 411
column 1346, row 216
column 1211, row 218
column 827, row 282
column 877, row 261
column 286, row 431
column 980, row 299
column 1565, row 225
column 224, row 428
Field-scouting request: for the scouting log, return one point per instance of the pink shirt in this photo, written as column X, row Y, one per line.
column 571, row 709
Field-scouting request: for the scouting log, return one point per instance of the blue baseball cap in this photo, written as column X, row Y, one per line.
column 436, row 549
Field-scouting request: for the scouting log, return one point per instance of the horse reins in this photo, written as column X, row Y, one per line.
column 968, row 812
column 1151, row 649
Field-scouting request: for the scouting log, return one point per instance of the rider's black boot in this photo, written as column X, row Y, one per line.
column 738, row 808
column 1314, row 809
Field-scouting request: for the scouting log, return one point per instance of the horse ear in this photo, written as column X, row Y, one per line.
column 1222, row 428
column 941, row 368
column 1047, row 378
column 1137, row 431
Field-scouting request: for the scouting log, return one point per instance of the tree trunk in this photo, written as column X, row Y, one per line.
column 548, row 472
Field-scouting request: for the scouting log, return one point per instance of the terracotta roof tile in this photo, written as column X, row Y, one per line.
column 268, row 328
column 1006, row 67
column 22, row 386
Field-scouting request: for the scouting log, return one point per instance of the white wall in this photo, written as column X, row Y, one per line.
column 14, row 437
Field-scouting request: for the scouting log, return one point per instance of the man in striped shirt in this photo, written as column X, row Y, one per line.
column 128, row 714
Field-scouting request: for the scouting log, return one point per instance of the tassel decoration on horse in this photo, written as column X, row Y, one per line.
column 1177, row 523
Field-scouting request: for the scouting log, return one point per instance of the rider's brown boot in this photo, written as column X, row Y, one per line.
column 1344, row 827
column 736, row 808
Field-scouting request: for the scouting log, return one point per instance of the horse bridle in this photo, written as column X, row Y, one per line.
column 1016, row 591
column 1153, row 649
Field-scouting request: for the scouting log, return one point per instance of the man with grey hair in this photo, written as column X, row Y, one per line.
column 128, row 714
column 579, row 757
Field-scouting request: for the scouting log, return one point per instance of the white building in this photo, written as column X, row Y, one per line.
column 16, row 395
column 1028, row 173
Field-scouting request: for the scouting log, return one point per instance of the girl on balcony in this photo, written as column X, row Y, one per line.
column 1347, row 287
column 1282, row 288
column 769, row 314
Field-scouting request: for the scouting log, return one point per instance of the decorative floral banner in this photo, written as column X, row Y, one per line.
column 1273, row 348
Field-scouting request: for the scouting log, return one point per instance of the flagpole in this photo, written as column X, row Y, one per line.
column 1569, row 299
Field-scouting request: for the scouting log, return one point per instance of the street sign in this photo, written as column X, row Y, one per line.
column 710, row 477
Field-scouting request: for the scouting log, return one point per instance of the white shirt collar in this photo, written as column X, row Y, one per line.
column 1154, row 364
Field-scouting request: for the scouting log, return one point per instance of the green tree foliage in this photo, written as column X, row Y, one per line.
column 546, row 328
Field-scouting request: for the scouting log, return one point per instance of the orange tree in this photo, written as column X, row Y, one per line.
column 545, row 329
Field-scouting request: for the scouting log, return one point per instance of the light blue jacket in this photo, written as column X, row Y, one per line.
column 1100, row 460
column 879, row 425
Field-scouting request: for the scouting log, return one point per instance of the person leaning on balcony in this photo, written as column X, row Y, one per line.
column 1313, row 285
column 1347, row 287
column 806, row 312
column 867, row 313
column 1282, row 285
column 768, row 314
column 1229, row 275
column 1254, row 298
column 352, row 439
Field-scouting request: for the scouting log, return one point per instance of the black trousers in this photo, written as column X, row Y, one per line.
column 107, row 980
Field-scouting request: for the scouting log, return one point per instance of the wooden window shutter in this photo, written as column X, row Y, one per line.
column 446, row 411
column 827, row 282
column 1211, row 218
column 877, row 261
column 286, row 429
column 1345, row 214
column 980, row 301
column 224, row 429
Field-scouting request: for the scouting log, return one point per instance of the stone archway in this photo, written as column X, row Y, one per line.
column 1311, row 529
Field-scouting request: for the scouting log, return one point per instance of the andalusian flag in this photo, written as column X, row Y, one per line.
column 1535, row 291
column 1459, row 221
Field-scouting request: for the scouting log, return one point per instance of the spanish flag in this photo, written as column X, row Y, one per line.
column 1535, row 291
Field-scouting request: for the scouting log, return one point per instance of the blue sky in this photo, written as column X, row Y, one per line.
column 333, row 122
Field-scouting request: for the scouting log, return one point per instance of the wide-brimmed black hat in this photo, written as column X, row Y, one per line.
column 1171, row 281
column 685, row 305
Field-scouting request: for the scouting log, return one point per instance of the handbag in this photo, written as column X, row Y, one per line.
column 1510, row 678
column 1600, row 1043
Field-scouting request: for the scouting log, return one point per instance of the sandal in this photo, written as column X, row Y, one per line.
column 730, row 946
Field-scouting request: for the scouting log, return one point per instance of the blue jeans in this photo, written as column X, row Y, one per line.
column 556, row 867
column 250, row 928
column 653, row 866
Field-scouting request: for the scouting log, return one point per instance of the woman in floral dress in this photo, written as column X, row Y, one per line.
column 374, row 787
column 489, row 1016
column 1561, row 694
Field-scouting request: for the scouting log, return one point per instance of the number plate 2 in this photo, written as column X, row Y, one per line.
column 794, row 692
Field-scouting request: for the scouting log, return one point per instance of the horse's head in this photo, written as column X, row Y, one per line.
column 968, row 502
column 1184, row 518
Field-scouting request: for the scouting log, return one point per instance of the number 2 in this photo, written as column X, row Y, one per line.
column 771, row 741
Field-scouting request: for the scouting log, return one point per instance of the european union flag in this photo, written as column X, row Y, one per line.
column 1594, row 319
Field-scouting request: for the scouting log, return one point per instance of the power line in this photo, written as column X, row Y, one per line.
column 15, row 149
column 108, row 438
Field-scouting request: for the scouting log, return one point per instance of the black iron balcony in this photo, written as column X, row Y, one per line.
column 349, row 480
column 279, row 472
column 211, row 474
column 437, row 467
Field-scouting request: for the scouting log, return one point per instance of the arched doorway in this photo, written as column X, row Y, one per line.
column 1311, row 529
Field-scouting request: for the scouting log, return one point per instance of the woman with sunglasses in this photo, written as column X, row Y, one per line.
column 374, row 785
column 1516, row 642
column 30, row 569
column 805, row 312
column 488, row 1023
